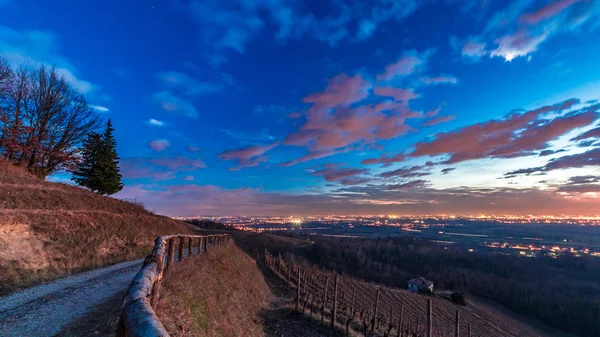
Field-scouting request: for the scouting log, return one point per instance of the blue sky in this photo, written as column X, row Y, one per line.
column 319, row 107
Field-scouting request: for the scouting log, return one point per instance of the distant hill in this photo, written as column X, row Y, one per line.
column 51, row 229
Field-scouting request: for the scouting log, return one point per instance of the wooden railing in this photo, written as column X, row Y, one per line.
column 138, row 318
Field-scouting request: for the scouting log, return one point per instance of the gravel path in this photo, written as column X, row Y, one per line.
column 45, row 309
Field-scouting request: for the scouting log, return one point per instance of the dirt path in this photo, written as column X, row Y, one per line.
column 46, row 309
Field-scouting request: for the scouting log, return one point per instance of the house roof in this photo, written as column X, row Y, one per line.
column 421, row 281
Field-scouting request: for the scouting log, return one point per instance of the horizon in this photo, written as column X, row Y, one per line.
column 334, row 107
column 397, row 216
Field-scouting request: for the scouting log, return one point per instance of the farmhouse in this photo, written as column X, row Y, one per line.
column 420, row 285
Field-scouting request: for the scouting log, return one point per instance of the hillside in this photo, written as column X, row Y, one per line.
column 361, row 296
column 220, row 293
column 226, row 293
column 48, row 230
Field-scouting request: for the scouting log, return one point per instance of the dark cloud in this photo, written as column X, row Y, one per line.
column 550, row 152
column 448, row 170
column 580, row 184
column 409, row 172
column 346, row 176
column 588, row 158
column 419, row 183
column 593, row 133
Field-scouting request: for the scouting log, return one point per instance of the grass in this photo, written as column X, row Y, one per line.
column 48, row 230
column 220, row 293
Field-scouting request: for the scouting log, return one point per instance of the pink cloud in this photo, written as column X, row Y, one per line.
column 546, row 12
column 193, row 148
column 386, row 160
column 333, row 173
column 176, row 105
column 334, row 120
column 159, row 145
column 163, row 168
column 434, row 112
column 439, row 120
column 518, row 44
column 342, row 90
column 406, row 65
column 515, row 135
column 349, row 113
column 441, row 80
column 178, row 163
column 247, row 157
column 312, row 156
column 251, row 162
column 473, row 49
column 398, row 94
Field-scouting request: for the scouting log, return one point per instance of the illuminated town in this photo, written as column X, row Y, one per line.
column 529, row 236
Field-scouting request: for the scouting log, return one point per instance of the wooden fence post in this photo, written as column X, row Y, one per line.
column 171, row 253
column 324, row 300
column 429, row 318
column 457, row 324
column 469, row 330
column 334, row 312
column 155, row 294
column 181, row 243
column 352, row 305
column 400, row 319
column 298, row 290
column 190, row 251
column 199, row 245
column 375, row 311
column 305, row 276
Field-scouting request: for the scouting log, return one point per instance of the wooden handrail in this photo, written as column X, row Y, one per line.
column 138, row 318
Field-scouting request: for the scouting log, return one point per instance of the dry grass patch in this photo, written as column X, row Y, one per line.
column 220, row 293
column 48, row 230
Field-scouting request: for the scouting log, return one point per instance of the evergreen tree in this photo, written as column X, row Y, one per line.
column 107, row 164
column 98, row 168
column 83, row 175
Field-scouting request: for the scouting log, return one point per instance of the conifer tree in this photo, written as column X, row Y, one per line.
column 98, row 168
column 83, row 175
column 107, row 170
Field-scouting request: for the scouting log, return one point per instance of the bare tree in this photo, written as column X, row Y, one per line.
column 44, row 120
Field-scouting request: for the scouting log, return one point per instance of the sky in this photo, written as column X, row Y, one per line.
column 280, row 107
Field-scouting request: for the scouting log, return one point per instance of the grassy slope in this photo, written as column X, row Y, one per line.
column 49, row 229
column 221, row 293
